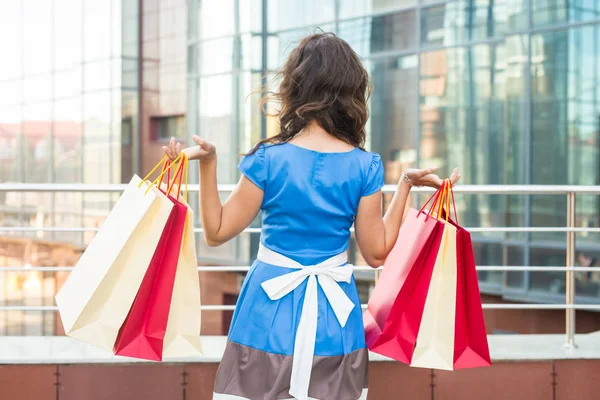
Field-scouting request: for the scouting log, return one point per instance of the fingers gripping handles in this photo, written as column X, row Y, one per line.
column 443, row 203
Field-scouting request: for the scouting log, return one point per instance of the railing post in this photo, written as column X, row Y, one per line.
column 570, row 274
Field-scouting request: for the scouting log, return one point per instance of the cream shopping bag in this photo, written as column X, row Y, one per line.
column 435, row 341
column 182, row 338
column 98, row 294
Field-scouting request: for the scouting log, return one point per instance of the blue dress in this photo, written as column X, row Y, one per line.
column 310, row 201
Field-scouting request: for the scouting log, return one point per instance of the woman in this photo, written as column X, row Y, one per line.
column 297, row 330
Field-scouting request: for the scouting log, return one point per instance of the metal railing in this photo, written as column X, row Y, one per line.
column 571, row 231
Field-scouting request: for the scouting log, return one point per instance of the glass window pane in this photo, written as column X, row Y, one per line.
column 97, row 30
column 394, row 32
column 514, row 256
column 67, row 136
column 10, row 27
column 217, row 119
column 565, row 118
column 37, row 88
column 68, row 82
column 250, row 15
column 97, row 162
column 128, row 21
column 515, row 54
column 546, row 12
column 488, row 254
column 216, row 56
column 494, row 18
column 216, row 18
column 548, row 282
column 444, row 25
column 444, row 102
column 36, row 133
column 588, row 217
column 357, row 8
column 97, row 75
column 10, row 92
column 68, row 28
column 369, row 36
column 393, row 123
column 587, row 283
column 37, row 34
column 10, row 123
column 289, row 40
column 289, row 14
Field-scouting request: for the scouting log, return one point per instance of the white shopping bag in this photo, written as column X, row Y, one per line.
column 97, row 296
column 435, row 341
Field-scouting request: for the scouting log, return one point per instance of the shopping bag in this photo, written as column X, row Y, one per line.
column 182, row 338
column 142, row 333
column 394, row 311
column 98, row 294
column 435, row 341
column 471, row 348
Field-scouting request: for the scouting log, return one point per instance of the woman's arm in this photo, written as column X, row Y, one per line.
column 221, row 222
column 375, row 235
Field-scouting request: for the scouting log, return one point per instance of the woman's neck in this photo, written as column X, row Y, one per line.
column 316, row 138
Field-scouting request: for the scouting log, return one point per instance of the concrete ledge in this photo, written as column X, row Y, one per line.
column 64, row 350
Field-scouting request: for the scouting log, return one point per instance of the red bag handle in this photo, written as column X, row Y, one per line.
column 435, row 198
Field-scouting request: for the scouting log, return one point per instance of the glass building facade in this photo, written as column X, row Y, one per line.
column 507, row 90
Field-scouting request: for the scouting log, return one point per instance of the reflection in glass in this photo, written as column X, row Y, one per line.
column 492, row 18
column 216, row 18
column 369, row 36
column 393, row 114
column 97, row 75
column 67, row 29
column 37, row 33
column 444, row 25
column 565, row 118
column 289, row 14
column 11, row 50
column 97, row 138
column 97, row 30
column 216, row 56
column 67, row 137
column 37, row 146
column 444, row 102
column 356, row 8
column 547, row 12
column 549, row 282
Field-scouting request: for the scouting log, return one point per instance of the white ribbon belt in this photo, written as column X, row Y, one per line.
column 329, row 273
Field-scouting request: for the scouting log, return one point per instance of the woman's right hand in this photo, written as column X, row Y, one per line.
column 427, row 177
column 203, row 151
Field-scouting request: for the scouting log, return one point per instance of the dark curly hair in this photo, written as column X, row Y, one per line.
column 323, row 80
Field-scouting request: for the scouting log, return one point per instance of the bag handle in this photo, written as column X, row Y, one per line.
column 178, row 175
column 166, row 168
column 433, row 197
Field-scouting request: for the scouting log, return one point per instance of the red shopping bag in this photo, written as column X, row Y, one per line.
column 142, row 334
column 471, row 348
column 394, row 312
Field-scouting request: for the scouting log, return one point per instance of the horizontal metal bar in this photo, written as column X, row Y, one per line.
column 466, row 189
column 211, row 268
column 245, row 268
column 258, row 230
column 486, row 306
column 56, row 229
